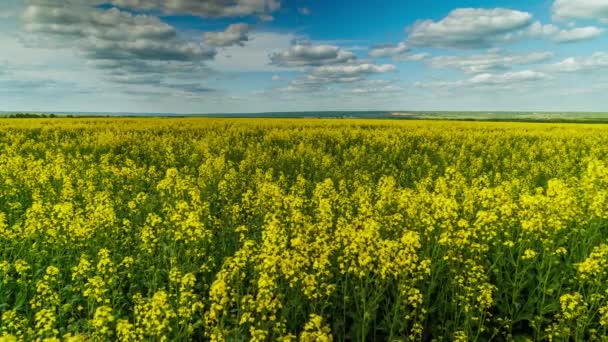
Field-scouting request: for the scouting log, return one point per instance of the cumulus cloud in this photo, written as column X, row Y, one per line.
column 397, row 52
column 578, row 34
column 205, row 8
column 581, row 9
column 491, row 61
column 389, row 50
column 130, row 48
column 469, row 28
column 349, row 73
column 506, row 78
column 320, row 78
column 325, row 66
column 303, row 55
column 597, row 61
column 473, row 28
column 554, row 33
column 112, row 33
column 376, row 90
column 414, row 57
column 490, row 80
column 235, row 34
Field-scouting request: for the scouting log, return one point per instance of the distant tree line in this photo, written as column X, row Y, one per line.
column 30, row 116
column 46, row 116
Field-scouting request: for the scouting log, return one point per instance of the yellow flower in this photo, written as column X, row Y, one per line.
column 573, row 306
column 102, row 321
column 315, row 330
column 21, row 267
column 8, row 338
column 529, row 254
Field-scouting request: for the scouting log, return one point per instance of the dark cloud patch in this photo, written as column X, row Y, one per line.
column 143, row 50
column 204, row 8
column 191, row 88
column 129, row 48
column 320, row 78
column 112, row 34
column 185, row 77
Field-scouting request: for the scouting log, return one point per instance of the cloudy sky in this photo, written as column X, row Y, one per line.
column 202, row 56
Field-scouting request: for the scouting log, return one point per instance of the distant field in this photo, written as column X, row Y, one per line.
column 508, row 116
column 411, row 115
column 150, row 229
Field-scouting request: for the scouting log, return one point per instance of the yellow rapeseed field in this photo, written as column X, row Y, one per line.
column 302, row 230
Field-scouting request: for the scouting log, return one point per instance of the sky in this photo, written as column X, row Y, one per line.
column 245, row 56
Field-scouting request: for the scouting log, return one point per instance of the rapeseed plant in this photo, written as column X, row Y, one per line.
column 311, row 230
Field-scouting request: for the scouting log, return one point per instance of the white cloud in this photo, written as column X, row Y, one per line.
column 276, row 78
column 581, row 9
column 414, row 57
column 351, row 71
column 489, row 80
column 377, row 90
column 571, row 35
column 578, row 34
column 506, row 78
column 302, row 55
column 397, row 52
column 597, row 61
column 538, row 30
column 235, row 34
column 389, row 50
column 469, row 28
column 491, row 61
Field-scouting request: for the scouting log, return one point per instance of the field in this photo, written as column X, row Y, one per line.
column 553, row 117
column 303, row 229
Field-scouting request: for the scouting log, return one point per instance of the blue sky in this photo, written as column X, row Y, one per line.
column 204, row 56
